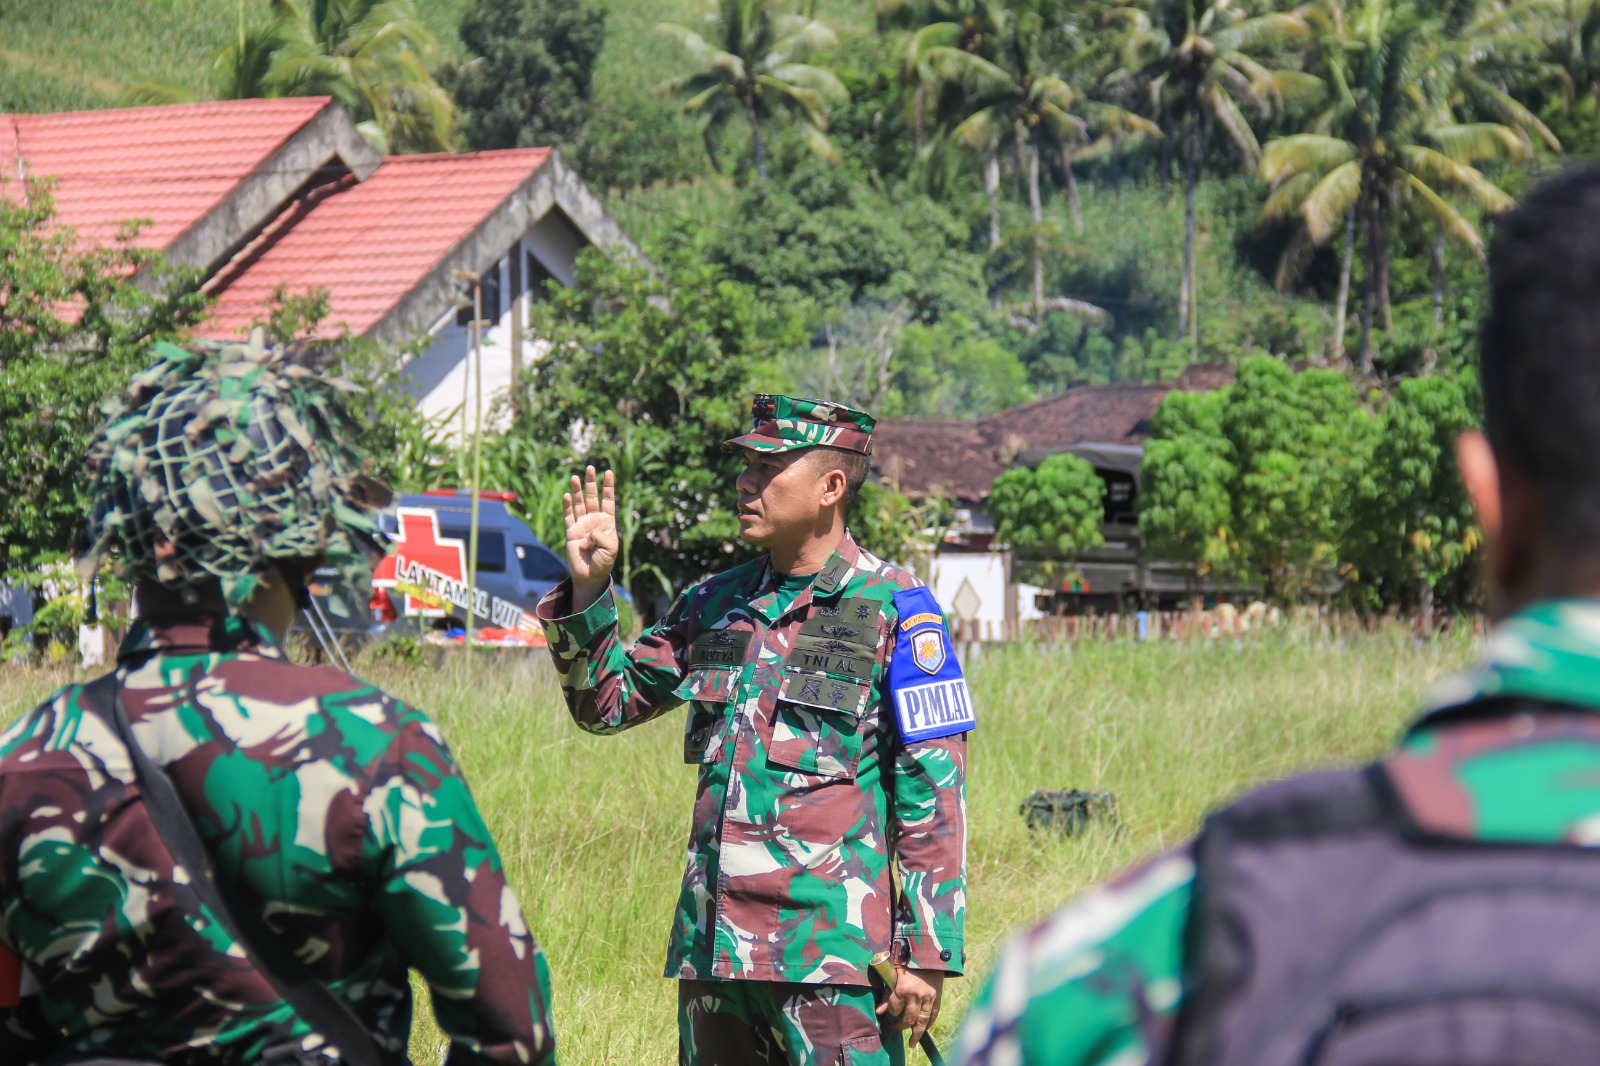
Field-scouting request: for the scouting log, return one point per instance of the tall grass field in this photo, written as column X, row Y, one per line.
column 593, row 828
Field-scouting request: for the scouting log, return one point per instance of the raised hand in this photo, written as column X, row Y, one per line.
column 590, row 508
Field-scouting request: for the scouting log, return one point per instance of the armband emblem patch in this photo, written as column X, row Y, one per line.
column 931, row 698
column 927, row 650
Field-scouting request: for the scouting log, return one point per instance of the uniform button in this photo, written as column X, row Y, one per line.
column 944, row 956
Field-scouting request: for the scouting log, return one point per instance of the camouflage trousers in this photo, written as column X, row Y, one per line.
column 770, row 1023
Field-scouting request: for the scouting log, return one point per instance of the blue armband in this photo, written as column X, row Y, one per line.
column 930, row 695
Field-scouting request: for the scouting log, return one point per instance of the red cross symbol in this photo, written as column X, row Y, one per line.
column 419, row 544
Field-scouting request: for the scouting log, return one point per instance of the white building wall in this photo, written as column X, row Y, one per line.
column 985, row 573
column 445, row 378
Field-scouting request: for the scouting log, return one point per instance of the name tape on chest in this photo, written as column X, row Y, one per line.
column 931, row 698
column 719, row 647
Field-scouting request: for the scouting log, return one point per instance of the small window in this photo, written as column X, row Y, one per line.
column 540, row 564
column 538, row 276
column 491, row 547
column 491, row 298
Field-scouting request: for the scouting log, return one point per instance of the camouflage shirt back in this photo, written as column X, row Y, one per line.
column 1510, row 755
column 338, row 805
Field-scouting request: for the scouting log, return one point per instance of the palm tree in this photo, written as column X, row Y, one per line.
column 939, row 30
column 1196, row 59
column 240, row 70
column 757, row 67
column 1389, row 141
column 372, row 56
column 1012, row 99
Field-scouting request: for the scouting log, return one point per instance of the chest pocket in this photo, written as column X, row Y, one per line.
column 827, row 681
column 715, row 664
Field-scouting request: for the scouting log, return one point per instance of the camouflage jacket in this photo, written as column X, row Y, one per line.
column 339, row 806
column 805, row 790
column 1101, row 981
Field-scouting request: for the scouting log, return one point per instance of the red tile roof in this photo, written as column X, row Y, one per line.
column 964, row 458
column 369, row 244
column 170, row 165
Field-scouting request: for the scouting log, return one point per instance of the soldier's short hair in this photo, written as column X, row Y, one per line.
column 852, row 464
column 1539, row 358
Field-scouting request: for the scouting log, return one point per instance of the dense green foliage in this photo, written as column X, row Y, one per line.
column 374, row 57
column 647, row 373
column 532, row 75
column 1056, row 506
column 71, row 332
column 972, row 203
column 1284, row 481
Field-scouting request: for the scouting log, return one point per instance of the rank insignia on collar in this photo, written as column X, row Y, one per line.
column 927, row 650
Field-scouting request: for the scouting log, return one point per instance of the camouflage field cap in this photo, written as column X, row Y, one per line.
column 223, row 459
column 784, row 423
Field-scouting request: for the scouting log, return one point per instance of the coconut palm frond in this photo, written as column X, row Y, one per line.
column 810, row 39
column 149, row 93
column 693, row 44
column 1475, row 141
column 1436, row 168
column 983, row 130
column 1503, row 106
column 1445, row 215
column 820, row 80
column 972, row 72
column 1232, row 120
column 1314, row 152
column 818, row 142
column 1289, row 196
column 1330, row 199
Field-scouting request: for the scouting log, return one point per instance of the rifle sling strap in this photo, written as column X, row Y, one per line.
column 312, row 1001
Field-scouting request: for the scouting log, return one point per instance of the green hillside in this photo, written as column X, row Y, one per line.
column 72, row 54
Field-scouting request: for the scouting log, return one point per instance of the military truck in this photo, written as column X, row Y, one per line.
column 1120, row 575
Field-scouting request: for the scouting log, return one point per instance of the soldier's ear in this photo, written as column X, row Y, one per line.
column 834, row 485
column 1511, row 516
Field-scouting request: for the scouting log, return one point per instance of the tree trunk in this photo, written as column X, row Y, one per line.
column 1342, row 306
column 1189, row 312
column 1164, row 166
column 755, row 140
column 1381, row 251
column 1438, row 275
column 711, row 148
column 991, row 189
column 1370, row 299
column 1072, row 191
column 1036, row 212
column 1017, row 168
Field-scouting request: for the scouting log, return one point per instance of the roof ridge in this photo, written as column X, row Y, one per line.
column 123, row 113
column 437, row 157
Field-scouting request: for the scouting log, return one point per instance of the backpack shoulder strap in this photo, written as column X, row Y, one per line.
column 311, row 999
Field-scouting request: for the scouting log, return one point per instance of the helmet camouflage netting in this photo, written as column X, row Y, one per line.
column 222, row 460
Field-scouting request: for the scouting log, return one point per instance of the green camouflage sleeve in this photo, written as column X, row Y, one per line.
column 608, row 687
column 930, row 799
column 444, row 899
column 929, row 812
column 1098, row 984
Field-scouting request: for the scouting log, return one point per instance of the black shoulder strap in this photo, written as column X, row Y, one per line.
column 310, row 998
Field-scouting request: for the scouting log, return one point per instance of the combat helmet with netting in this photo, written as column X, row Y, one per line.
column 223, row 461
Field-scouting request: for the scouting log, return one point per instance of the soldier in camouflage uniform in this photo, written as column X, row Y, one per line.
column 827, row 718
column 221, row 479
column 1508, row 755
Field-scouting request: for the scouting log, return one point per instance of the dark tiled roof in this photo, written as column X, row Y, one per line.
column 964, row 457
